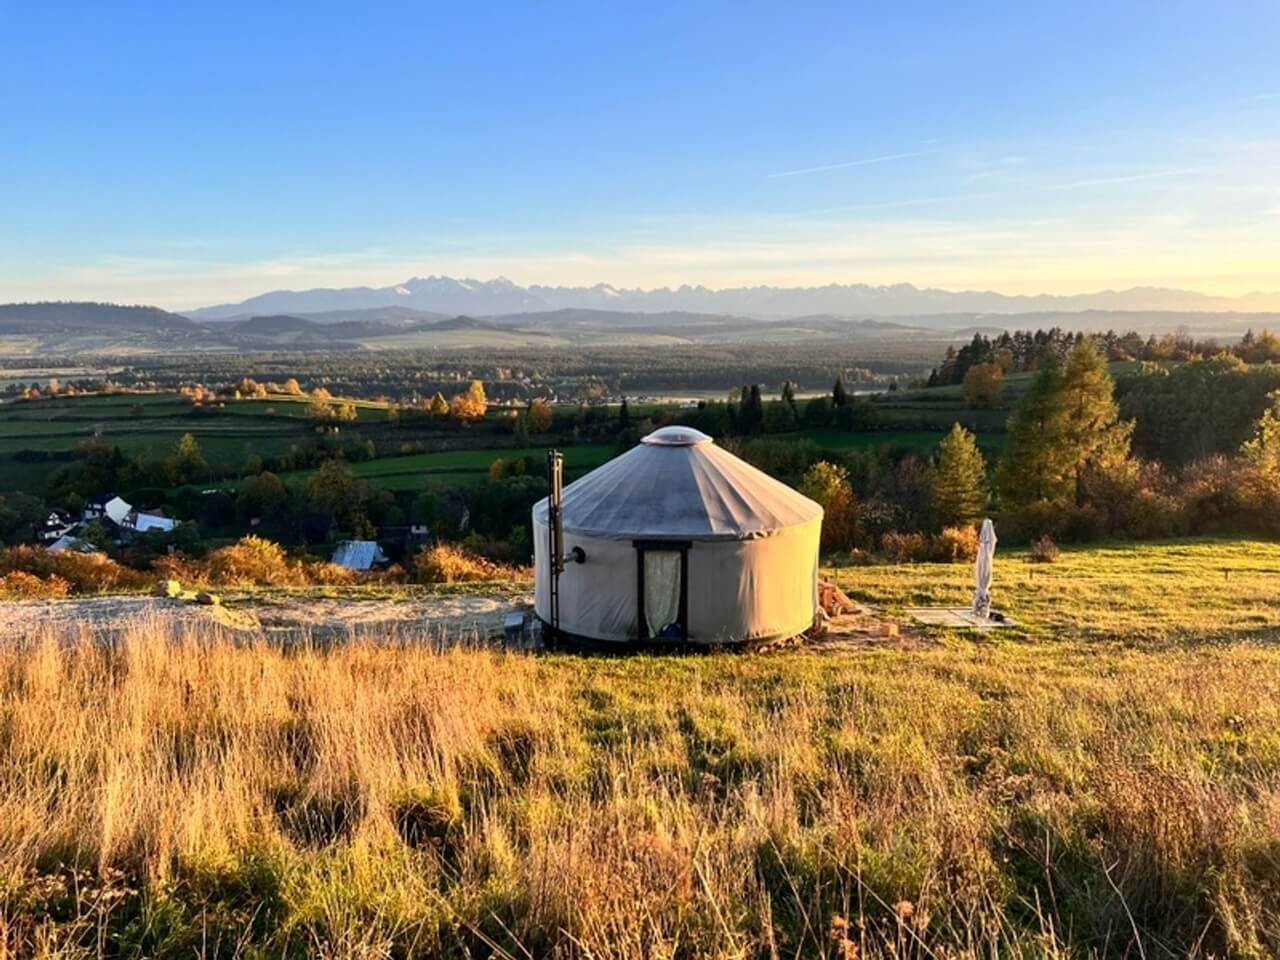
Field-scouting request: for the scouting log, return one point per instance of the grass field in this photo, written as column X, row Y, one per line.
column 229, row 434
column 226, row 435
column 1106, row 784
column 1174, row 592
column 462, row 467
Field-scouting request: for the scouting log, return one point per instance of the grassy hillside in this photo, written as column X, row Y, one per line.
column 1108, row 790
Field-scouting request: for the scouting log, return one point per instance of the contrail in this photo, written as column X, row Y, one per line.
column 1103, row 181
column 866, row 161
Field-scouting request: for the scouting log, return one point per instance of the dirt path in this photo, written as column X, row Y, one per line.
column 441, row 619
column 284, row 618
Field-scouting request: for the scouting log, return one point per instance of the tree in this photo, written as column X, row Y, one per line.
column 751, row 414
column 439, row 406
column 539, row 416
column 18, row 511
column 624, row 416
column 839, row 395
column 1067, row 424
column 335, row 490
column 1262, row 450
column 828, row 485
column 982, row 386
column 1094, row 436
column 248, row 387
column 1031, row 469
column 520, row 429
column 472, row 404
column 187, row 463
column 779, row 417
column 292, row 387
column 263, row 496
column 959, row 481
column 789, row 396
column 320, row 411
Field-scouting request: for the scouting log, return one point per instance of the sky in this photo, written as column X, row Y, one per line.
column 186, row 154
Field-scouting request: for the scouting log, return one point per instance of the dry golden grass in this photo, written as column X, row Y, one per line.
column 176, row 794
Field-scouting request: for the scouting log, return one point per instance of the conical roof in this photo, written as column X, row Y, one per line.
column 678, row 483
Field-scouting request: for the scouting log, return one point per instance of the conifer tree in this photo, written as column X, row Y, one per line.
column 839, row 395
column 755, row 409
column 1031, row 468
column 789, row 394
column 960, row 480
column 1094, row 436
column 1067, row 424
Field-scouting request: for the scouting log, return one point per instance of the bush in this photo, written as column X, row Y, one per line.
column 905, row 547
column 18, row 585
column 447, row 563
column 1028, row 521
column 252, row 560
column 955, row 545
column 952, row 545
column 82, row 573
column 1043, row 550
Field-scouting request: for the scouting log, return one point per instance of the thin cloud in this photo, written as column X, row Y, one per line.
column 864, row 162
column 1131, row 178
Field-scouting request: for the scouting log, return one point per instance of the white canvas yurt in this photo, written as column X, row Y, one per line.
column 678, row 539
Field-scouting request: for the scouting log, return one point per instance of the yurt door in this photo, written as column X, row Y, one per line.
column 663, row 596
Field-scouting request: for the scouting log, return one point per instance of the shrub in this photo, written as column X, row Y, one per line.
column 82, row 572
column 1043, row 550
column 447, row 563
column 955, row 545
column 905, row 547
column 1025, row 522
column 18, row 585
column 252, row 560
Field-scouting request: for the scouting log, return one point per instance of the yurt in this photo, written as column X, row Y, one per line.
column 677, row 540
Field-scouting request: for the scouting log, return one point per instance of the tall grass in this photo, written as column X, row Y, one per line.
column 175, row 793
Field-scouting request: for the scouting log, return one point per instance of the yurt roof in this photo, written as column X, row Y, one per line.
column 677, row 483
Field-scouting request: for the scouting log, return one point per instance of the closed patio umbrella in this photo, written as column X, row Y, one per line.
column 982, row 570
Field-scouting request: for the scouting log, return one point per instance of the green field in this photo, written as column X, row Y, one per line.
column 462, row 467
column 231, row 432
column 227, row 435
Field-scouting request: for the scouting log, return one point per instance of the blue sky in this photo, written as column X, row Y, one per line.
column 181, row 155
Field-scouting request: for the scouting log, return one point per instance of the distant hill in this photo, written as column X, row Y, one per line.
column 488, row 298
column 396, row 316
column 82, row 328
column 42, row 318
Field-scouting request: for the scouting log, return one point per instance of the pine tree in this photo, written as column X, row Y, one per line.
column 1067, row 424
column 754, row 410
column 1094, row 436
column 789, row 394
column 960, row 480
column 839, row 395
column 1032, row 468
column 624, row 416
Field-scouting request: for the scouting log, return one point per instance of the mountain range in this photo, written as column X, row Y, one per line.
column 450, row 296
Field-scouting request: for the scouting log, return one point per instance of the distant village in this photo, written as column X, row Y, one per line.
column 108, row 519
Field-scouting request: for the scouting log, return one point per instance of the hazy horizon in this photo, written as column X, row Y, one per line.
column 181, row 159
